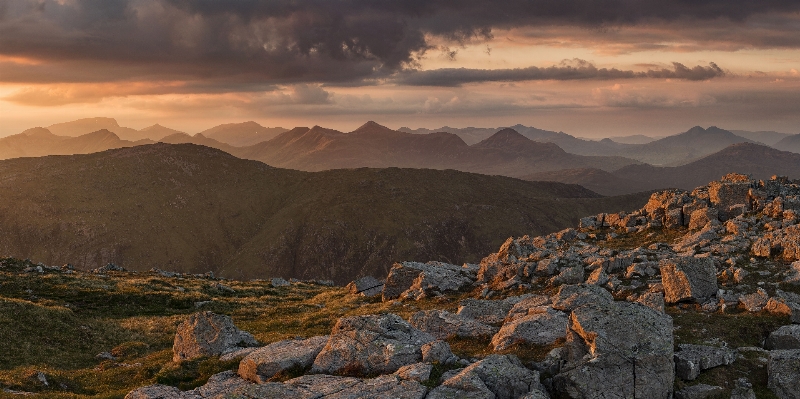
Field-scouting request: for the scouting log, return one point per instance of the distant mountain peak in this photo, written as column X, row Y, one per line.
column 371, row 127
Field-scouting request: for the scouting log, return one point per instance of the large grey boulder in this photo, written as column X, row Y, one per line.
column 496, row 376
column 785, row 337
column 690, row 360
column 570, row 297
column 370, row 344
column 264, row 363
column 617, row 350
column 688, row 278
column 414, row 280
column 208, row 334
column 541, row 326
column 443, row 324
column 783, row 372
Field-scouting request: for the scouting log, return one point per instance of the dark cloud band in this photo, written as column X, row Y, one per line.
column 567, row 70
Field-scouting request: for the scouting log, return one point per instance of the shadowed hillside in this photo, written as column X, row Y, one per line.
column 193, row 208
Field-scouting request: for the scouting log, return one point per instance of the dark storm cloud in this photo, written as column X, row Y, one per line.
column 285, row 41
column 567, row 70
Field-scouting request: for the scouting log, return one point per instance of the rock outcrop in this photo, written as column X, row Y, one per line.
column 443, row 324
column 416, row 280
column 370, row 344
column 208, row 334
column 265, row 363
column 617, row 350
column 688, row 279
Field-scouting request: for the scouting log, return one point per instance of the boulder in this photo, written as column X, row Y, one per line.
column 218, row 386
column 569, row 275
column 699, row 391
column 783, row 372
column 264, row 363
column 416, row 372
column 703, row 217
column 442, row 325
column 416, row 280
column 523, row 307
column 728, row 193
column 488, row 311
column 785, row 337
column 754, row 302
column 371, row 344
column 367, row 286
column 570, row 297
column 688, row 279
column 541, row 326
column 208, row 334
column 743, row 390
column 617, row 350
column 653, row 300
column 690, row 360
column 496, row 376
column 438, row 352
column 279, row 282
column 156, row 391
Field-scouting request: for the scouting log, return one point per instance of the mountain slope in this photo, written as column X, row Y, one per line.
column 199, row 139
column 39, row 142
column 242, row 134
column 193, row 208
column 766, row 137
column 599, row 181
column 88, row 125
column 789, row 143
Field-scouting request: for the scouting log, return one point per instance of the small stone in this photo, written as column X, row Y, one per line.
column 416, row 372
column 279, row 282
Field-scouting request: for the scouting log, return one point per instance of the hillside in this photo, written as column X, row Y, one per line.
column 199, row 139
column 376, row 146
column 766, row 137
column 242, row 134
column 599, row 181
column 193, row 208
column 691, row 291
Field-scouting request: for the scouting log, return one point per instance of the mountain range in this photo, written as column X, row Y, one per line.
column 759, row 161
column 193, row 208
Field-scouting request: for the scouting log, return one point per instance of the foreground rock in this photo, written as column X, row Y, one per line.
column 541, row 326
column 264, row 363
column 443, row 324
column 414, row 280
column 366, row 286
column 496, row 376
column 688, row 278
column 692, row 359
column 208, row 334
column 785, row 337
column 618, row 350
column 370, row 344
column 783, row 372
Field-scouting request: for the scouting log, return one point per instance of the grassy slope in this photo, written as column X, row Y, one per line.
column 192, row 208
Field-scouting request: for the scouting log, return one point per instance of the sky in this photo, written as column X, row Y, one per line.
column 591, row 68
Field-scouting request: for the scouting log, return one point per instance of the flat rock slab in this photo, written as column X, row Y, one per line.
column 542, row 327
column 523, row 307
column 264, row 363
column 208, row 334
column 688, row 278
column 690, row 360
column 370, row 344
column 785, row 337
column 570, row 297
column 443, row 324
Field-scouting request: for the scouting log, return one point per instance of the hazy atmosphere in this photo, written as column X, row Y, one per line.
column 588, row 68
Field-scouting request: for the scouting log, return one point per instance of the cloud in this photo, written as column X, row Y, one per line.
column 311, row 41
column 567, row 70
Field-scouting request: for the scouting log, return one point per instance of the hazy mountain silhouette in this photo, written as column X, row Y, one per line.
column 768, row 137
column 505, row 153
column 37, row 142
column 242, row 134
column 789, row 143
column 193, row 208
column 199, row 139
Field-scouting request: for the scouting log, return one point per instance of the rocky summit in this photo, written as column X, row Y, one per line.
column 695, row 295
